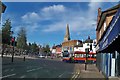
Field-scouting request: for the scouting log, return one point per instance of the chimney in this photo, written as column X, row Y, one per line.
column 99, row 14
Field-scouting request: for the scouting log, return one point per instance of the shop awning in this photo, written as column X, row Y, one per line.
column 112, row 33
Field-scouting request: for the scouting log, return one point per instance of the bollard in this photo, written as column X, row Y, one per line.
column 24, row 58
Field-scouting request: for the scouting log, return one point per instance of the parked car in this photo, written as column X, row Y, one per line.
column 41, row 56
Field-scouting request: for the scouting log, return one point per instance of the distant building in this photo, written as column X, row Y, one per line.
column 108, row 41
column 67, row 35
column 88, row 43
column 59, row 50
column 67, row 44
column 54, row 49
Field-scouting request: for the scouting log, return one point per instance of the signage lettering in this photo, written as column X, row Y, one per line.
column 105, row 44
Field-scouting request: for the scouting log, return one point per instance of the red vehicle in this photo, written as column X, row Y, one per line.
column 66, row 56
column 80, row 56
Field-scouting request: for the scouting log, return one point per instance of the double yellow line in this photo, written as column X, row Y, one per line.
column 75, row 76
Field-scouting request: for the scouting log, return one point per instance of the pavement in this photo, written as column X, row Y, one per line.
column 21, row 56
column 114, row 78
column 90, row 73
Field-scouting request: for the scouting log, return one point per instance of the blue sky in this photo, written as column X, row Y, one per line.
column 46, row 22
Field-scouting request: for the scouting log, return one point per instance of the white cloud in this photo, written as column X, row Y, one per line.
column 46, row 13
column 77, row 21
column 30, row 21
column 52, row 12
column 30, row 17
column 54, row 8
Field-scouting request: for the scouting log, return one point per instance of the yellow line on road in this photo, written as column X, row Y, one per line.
column 75, row 76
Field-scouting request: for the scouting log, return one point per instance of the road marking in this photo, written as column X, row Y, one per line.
column 22, row 76
column 8, row 75
column 34, row 69
column 75, row 75
column 61, row 74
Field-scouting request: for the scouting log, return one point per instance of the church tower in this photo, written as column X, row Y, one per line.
column 67, row 35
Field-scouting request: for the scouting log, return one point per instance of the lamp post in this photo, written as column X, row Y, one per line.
column 13, row 44
column 24, row 53
column 87, row 52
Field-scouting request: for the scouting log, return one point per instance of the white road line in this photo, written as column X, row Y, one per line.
column 76, row 76
column 8, row 75
column 34, row 69
column 22, row 76
column 73, row 76
column 61, row 74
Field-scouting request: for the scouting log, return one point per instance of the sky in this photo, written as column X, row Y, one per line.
column 45, row 22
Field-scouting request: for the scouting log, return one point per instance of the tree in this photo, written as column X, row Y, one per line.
column 29, row 47
column 46, row 49
column 35, row 48
column 6, row 32
column 22, row 39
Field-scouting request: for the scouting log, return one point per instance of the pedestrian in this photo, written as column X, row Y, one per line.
column 72, row 59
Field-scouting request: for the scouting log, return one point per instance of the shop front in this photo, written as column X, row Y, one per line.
column 109, row 46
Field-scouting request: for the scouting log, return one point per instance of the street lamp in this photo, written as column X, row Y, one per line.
column 13, row 44
column 24, row 53
column 87, row 52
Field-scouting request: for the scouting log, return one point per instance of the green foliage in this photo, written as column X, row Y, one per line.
column 22, row 39
column 34, row 47
column 6, row 32
column 46, row 49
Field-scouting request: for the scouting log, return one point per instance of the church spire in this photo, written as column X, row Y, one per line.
column 67, row 35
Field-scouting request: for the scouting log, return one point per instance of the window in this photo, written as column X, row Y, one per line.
column 76, row 47
column 104, row 26
column 88, row 44
column 100, row 33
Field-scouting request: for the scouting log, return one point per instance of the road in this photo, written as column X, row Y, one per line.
column 37, row 68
